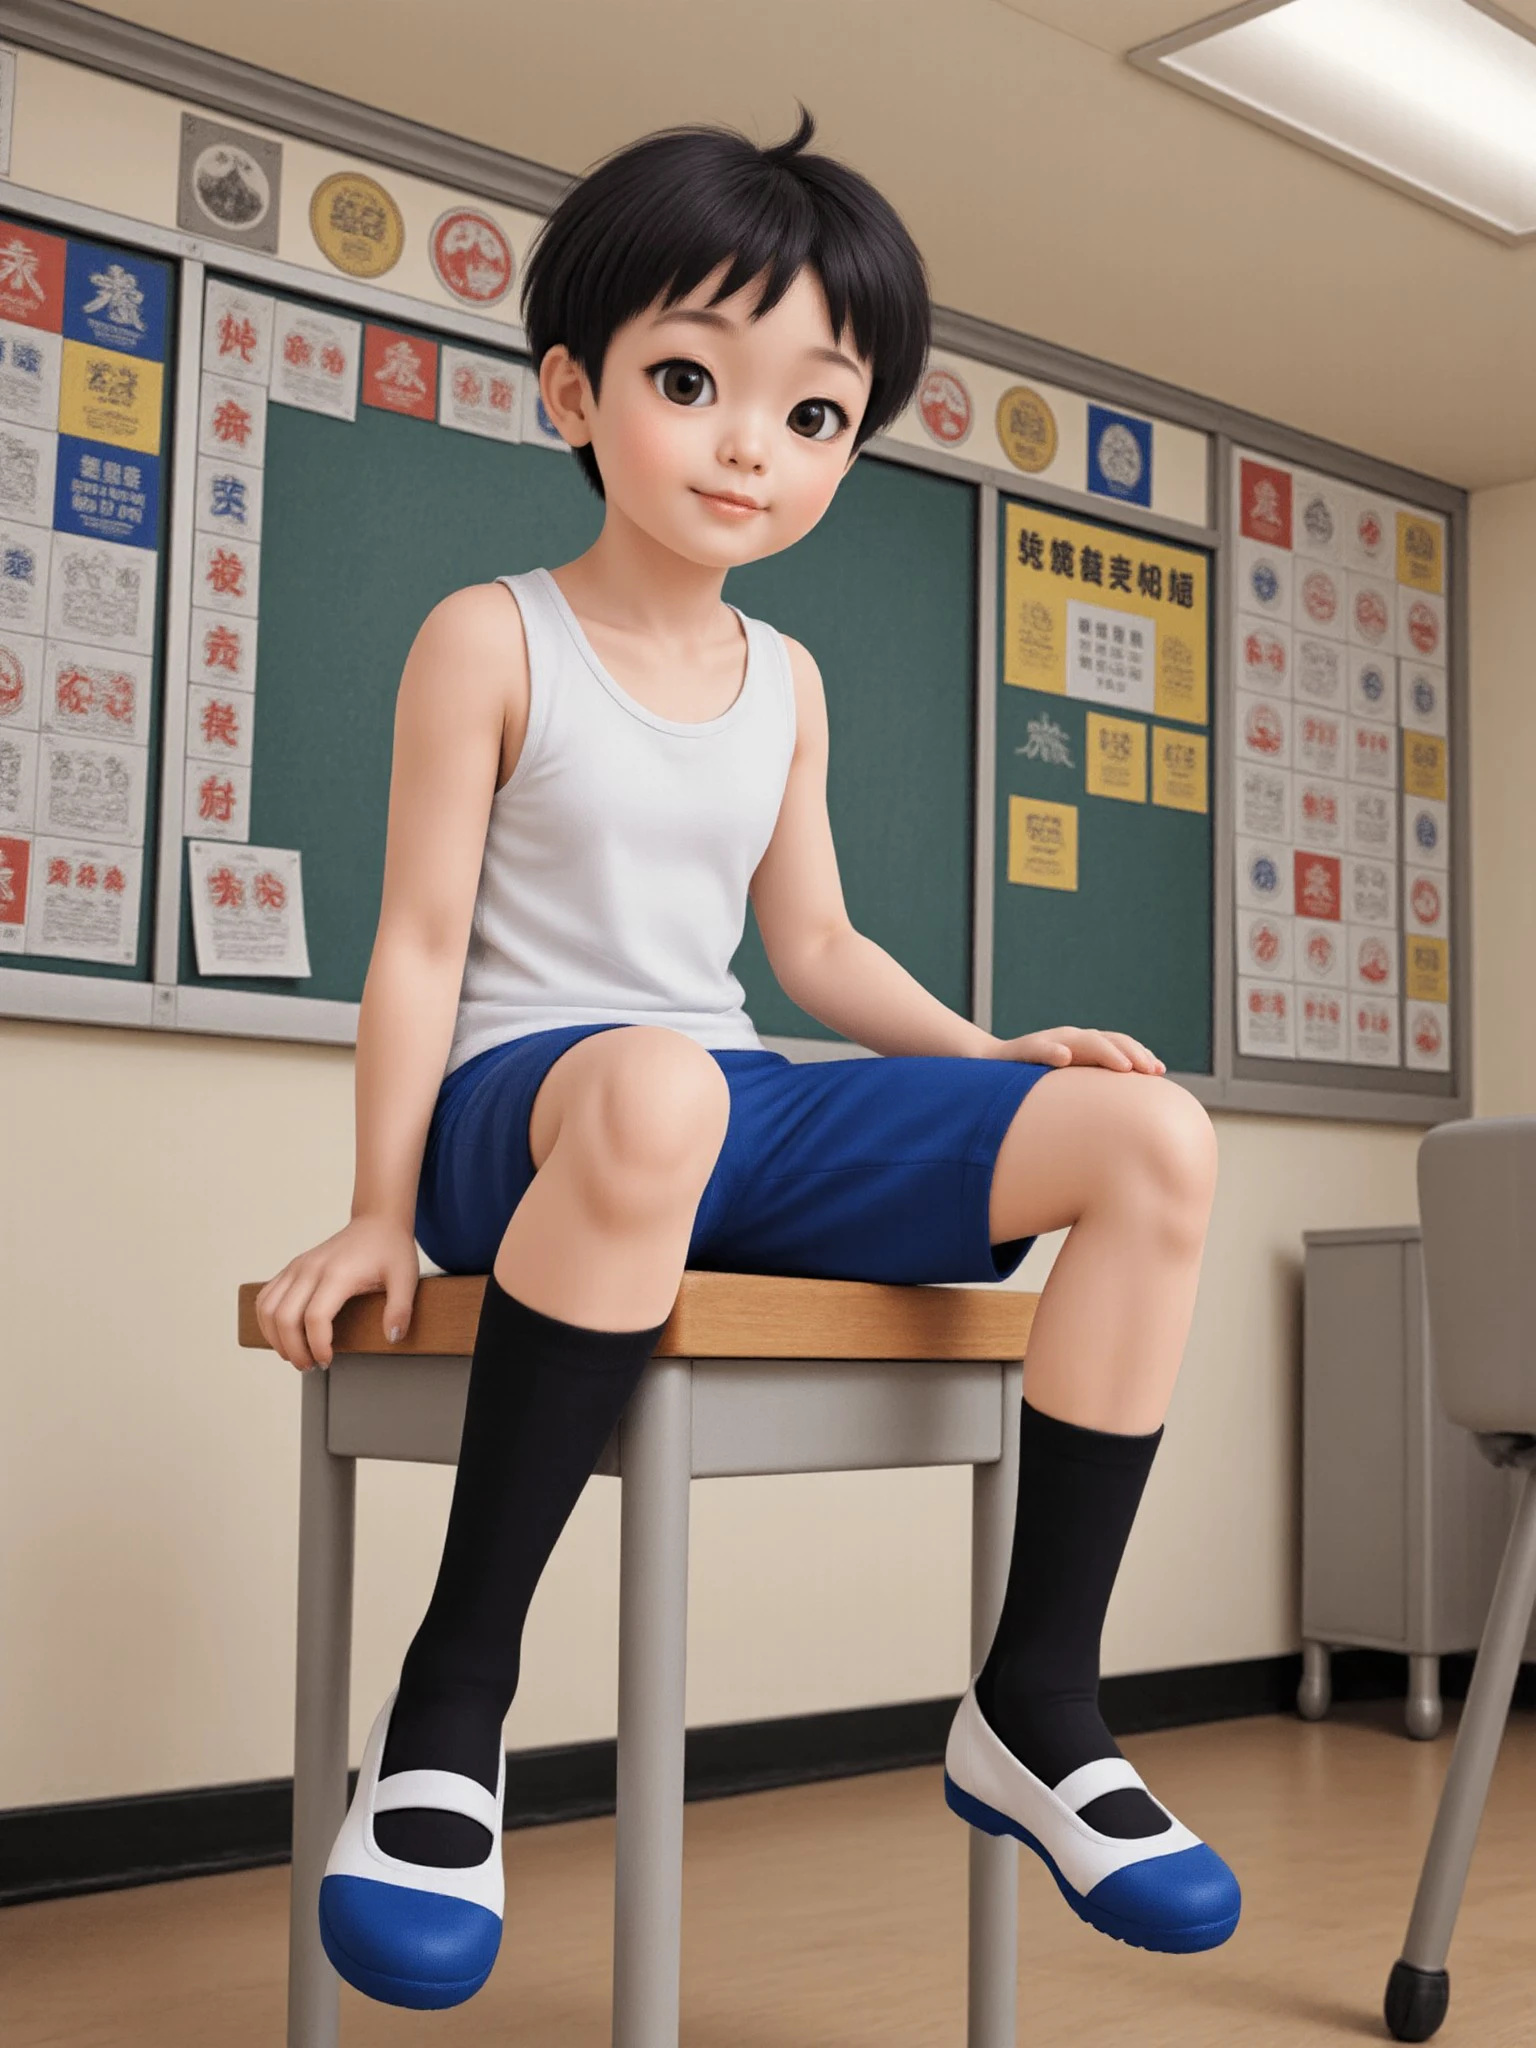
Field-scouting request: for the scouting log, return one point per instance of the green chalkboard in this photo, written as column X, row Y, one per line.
column 1130, row 948
column 367, row 523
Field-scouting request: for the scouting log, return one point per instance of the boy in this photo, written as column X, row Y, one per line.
column 557, row 1082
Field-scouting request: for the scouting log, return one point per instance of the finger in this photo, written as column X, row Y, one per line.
column 399, row 1299
column 268, row 1306
column 290, row 1324
column 1141, row 1057
column 1106, row 1053
column 320, row 1314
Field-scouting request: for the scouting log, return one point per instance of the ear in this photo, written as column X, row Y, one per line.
column 567, row 395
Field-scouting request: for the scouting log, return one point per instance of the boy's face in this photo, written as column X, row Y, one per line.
column 702, row 405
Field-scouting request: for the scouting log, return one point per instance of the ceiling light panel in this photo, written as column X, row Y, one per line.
column 1436, row 97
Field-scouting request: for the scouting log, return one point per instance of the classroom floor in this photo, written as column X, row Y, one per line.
column 832, row 1916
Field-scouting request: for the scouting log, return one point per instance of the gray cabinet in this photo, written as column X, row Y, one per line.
column 1403, row 1520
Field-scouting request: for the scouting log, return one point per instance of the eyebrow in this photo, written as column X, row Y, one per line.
column 703, row 318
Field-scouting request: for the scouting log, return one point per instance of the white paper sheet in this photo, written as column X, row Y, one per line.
column 1370, row 891
column 247, row 909
column 91, row 693
column 232, row 421
column 480, row 395
column 21, row 681
column 91, row 789
column 1374, row 1026
column 237, row 332
column 30, row 365
column 226, row 574
column 219, row 724
column 29, row 460
column 216, row 801
column 229, row 498
column 18, row 779
column 1427, row 1038
column 315, row 359
column 1322, row 1024
column 102, row 592
column 83, row 901
column 1266, row 1019
column 24, row 563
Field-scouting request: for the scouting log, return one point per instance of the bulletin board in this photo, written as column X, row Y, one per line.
column 85, row 399
column 1103, row 894
column 1085, row 764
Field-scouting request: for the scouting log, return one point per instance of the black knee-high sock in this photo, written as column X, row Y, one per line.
column 1039, row 1688
column 543, row 1398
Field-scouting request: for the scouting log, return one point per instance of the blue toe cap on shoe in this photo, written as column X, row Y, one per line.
column 406, row 1947
column 1178, row 1903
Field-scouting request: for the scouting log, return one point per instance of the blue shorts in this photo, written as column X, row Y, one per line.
column 842, row 1169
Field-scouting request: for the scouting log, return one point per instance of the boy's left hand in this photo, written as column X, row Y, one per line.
column 1065, row 1045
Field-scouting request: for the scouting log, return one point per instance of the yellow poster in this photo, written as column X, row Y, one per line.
column 1117, row 758
column 1119, row 619
column 1180, row 776
column 1042, row 843
column 1420, row 551
column 1423, row 765
column 1428, row 976
column 104, row 396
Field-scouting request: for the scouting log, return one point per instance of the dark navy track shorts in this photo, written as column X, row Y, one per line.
column 842, row 1169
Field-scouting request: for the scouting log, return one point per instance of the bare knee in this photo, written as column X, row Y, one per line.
column 649, row 1125
column 1166, row 1160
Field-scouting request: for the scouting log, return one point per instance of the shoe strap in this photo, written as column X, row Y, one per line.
column 1088, row 1782
column 440, row 1792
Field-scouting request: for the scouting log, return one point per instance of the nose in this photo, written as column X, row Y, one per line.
column 744, row 443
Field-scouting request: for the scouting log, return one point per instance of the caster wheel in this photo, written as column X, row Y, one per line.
column 1416, row 2001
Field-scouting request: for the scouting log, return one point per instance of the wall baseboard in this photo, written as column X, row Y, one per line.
column 108, row 1844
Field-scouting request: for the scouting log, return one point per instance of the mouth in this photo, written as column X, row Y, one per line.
column 730, row 500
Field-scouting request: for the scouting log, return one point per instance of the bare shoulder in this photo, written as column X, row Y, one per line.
column 810, row 697
column 470, row 655
column 480, row 624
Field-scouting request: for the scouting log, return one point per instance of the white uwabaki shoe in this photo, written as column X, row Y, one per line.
column 1166, row 1891
column 409, row 1933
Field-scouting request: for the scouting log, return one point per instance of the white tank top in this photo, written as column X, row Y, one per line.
column 613, row 888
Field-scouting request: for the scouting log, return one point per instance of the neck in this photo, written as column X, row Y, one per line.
column 628, row 580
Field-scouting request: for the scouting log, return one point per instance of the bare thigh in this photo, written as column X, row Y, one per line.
column 624, row 1134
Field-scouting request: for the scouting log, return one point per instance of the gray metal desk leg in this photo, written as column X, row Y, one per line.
column 655, row 1468
column 1423, row 1712
column 327, row 1492
column 1419, row 1987
column 991, row 2011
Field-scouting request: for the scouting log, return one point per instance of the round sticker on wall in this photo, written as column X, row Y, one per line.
column 471, row 256
column 356, row 224
column 1026, row 427
column 944, row 407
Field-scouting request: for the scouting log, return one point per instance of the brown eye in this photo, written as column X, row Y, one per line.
column 684, row 383
column 818, row 419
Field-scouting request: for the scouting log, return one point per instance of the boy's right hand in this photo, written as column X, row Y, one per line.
column 297, row 1307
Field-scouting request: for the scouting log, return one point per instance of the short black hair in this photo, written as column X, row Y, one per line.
column 656, row 218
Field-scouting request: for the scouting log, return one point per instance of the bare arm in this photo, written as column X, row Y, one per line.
column 466, row 665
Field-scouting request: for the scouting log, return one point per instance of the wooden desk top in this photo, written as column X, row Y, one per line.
column 727, row 1315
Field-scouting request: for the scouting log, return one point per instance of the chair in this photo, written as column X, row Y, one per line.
column 753, row 1374
column 1477, row 1200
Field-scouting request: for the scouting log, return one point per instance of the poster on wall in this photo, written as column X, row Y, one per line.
column 1342, row 780
column 84, row 329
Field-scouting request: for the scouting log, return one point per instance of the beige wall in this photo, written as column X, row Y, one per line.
column 1503, row 652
